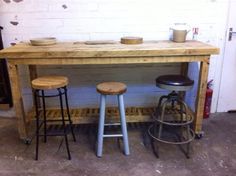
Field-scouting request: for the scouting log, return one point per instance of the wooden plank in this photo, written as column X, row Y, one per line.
column 184, row 69
column 91, row 115
column 202, row 85
column 81, row 50
column 184, row 72
column 79, row 53
column 108, row 60
column 17, row 100
column 33, row 74
column 4, row 106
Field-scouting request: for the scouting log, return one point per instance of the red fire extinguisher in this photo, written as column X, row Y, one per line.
column 207, row 106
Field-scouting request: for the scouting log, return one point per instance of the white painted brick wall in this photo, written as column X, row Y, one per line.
column 93, row 19
column 111, row 19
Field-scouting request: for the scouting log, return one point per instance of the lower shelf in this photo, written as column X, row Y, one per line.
column 5, row 106
column 91, row 115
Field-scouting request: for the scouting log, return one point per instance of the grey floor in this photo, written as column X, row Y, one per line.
column 213, row 155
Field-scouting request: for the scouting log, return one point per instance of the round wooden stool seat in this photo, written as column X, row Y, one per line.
column 49, row 82
column 111, row 88
column 174, row 82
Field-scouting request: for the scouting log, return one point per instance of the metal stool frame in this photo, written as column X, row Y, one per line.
column 159, row 121
column 61, row 91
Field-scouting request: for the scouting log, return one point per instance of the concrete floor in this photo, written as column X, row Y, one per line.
column 213, row 155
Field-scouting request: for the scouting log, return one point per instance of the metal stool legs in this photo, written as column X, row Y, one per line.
column 63, row 124
column 123, row 124
column 44, row 117
column 101, row 125
column 37, row 124
column 68, row 114
column 183, row 124
column 44, row 123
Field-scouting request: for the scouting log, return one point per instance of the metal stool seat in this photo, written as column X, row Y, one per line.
column 40, row 85
column 174, row 82
column 112, row 88
column 173, row 104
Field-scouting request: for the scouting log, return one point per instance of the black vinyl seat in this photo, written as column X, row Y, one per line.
column 174, row 82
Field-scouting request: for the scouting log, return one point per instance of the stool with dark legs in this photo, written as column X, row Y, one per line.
column 172, row 104
column 40, row 86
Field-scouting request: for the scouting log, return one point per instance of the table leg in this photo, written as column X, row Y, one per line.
column 200, row 100
column 18, row 101
column 184, row 72
column 184, row 68
column 33, row 74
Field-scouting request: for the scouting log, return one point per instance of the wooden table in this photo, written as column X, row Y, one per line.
column 79, row 53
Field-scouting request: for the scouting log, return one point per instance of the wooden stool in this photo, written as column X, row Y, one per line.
column 173, row 83
column 40, row 85
column 112, row 88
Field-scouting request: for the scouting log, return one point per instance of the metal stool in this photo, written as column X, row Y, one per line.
column 111, row 88
column 40, row 85
column 183, row 134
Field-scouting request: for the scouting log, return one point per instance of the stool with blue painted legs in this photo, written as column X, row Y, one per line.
column 178, row 126
column 40, row 86
column 111, row 88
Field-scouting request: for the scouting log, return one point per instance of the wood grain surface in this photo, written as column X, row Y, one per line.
column 82, row 50
column 111, row 88
column 43, row 41
column 49, row 82
column 71, row 53
column 131, row 40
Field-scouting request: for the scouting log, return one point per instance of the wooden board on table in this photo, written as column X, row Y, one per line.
column 82, row 50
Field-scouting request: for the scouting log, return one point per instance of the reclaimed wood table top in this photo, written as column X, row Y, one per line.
column 70, row 53
column 82, row 50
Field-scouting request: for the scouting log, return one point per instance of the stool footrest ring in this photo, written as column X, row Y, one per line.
column 184, row 123
column 169, row 142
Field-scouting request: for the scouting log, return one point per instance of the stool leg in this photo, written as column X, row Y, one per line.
column 158, row 108
column 188, row 144
column 162, row 118
column 44, row 117
column 155, row 148
column 68, row 113
column 63, row 124
column 101, row 125
column 184, row 106
column 123, row 124
column 183, row 109
column 161, row 99
column 188, row 129
column 182, row 128
column 37, row 125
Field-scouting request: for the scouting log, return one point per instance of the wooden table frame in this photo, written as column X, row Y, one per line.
column 175, row 53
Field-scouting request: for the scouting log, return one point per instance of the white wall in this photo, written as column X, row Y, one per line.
column 111, row 19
